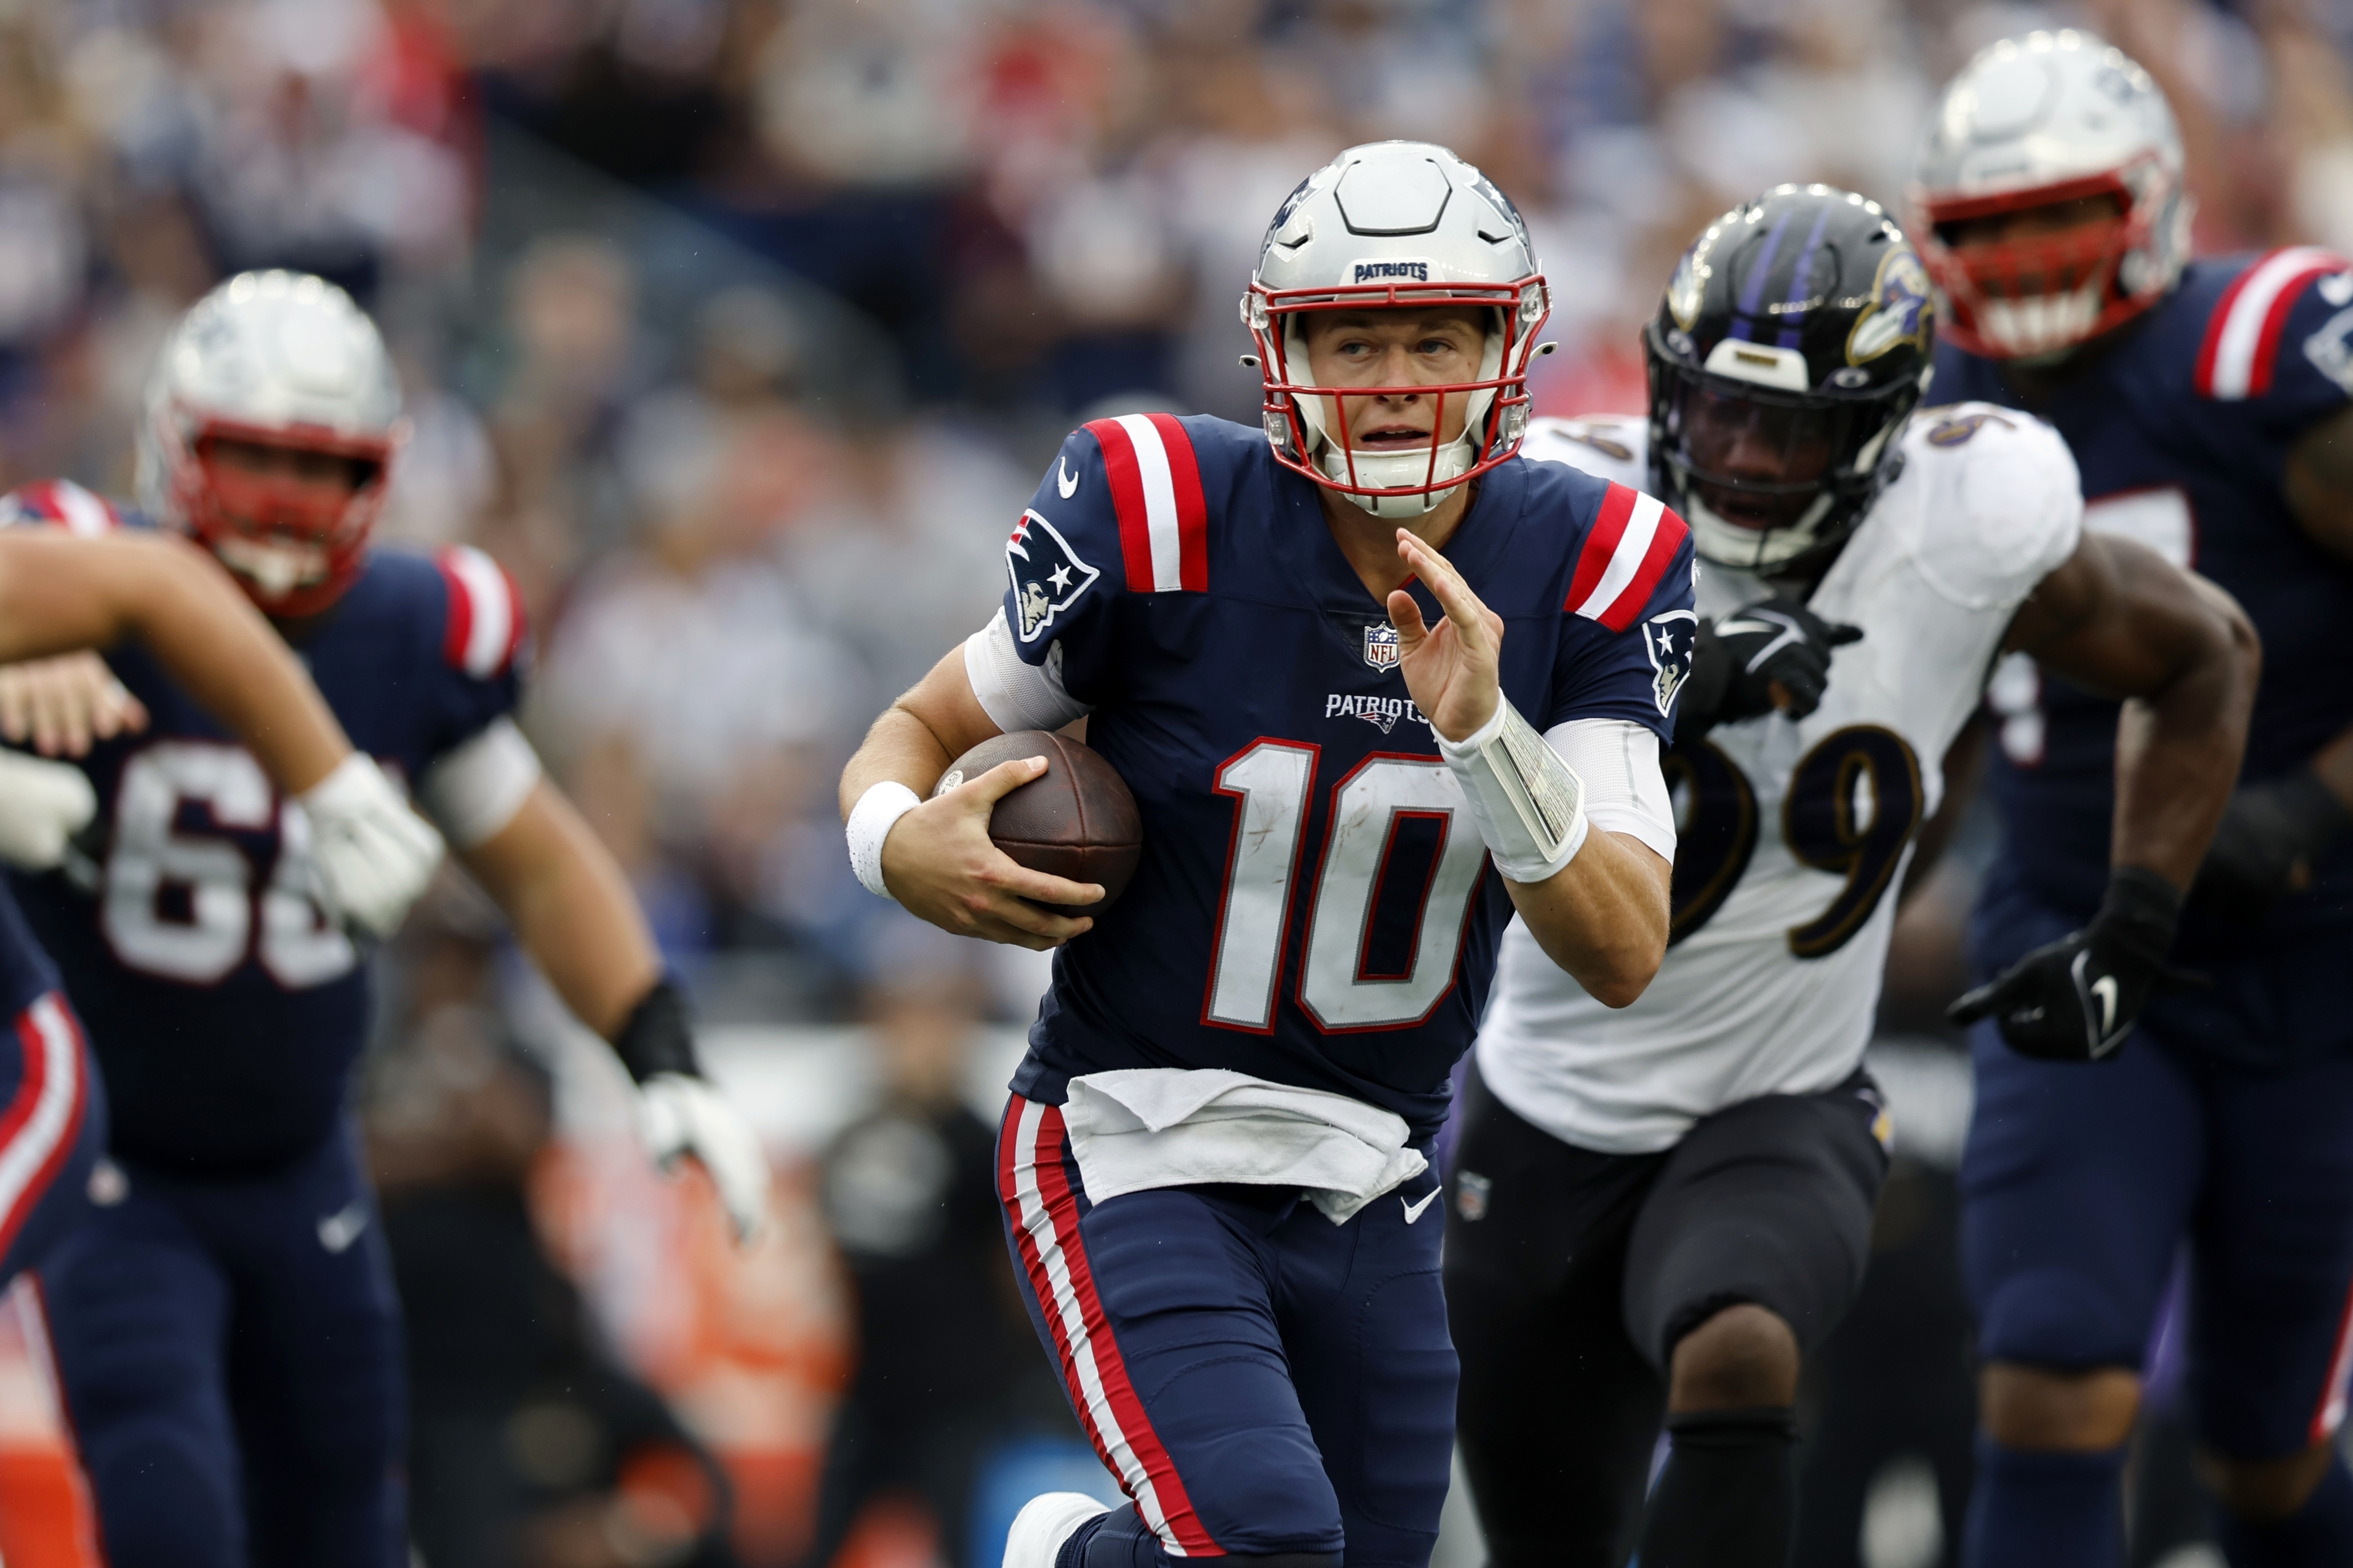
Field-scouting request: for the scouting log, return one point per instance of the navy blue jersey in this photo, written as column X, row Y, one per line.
column 224, row 1008
column 2182, row 429
column 1314, row 906
column 26, row 973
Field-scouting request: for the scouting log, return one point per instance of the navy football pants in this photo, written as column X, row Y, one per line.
column 1260, row 1379
column 2082, row 1183
column 231, row 1357
column 52, row 1127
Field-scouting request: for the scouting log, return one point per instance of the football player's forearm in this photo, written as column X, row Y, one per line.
column 571, row 909
column 2177, row 756
column 931, row 725
column 58, row 593
column 1602, row 916
column 900, row 748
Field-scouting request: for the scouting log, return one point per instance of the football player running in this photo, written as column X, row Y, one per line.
column 2206, row 405
column 1345, row 660
column 375, row 855
column 1667, row 1206
column 224, row 1321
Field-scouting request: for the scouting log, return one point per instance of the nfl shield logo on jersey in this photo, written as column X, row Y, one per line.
column 1381, row 645
column 1668, row 640
column 1047, row 575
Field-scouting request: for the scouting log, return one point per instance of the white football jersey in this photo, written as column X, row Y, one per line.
column 1792, row 835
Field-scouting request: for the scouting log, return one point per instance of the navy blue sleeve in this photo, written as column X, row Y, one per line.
column 1064, row 571
column 1626, row 656
column 2312, row 368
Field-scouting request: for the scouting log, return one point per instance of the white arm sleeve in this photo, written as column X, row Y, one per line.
column 473, row 792
column 1017, row 695
column 1624, row 790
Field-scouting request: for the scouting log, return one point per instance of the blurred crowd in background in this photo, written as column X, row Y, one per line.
column 738, row 330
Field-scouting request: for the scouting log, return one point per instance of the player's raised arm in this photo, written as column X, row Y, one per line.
column 2117, row 620
column 60, row 592
column 1602, row 914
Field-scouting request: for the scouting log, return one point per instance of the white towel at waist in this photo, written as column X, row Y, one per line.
column 1166, row 1127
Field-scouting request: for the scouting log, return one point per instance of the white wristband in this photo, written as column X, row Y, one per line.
column 1529, row 805
column 870, row 821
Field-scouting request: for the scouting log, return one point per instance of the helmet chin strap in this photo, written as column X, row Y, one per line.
column 1392, row 472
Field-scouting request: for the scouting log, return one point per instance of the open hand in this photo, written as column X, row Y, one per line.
column 1450, row 668
column 62, row 705
column 939, row 863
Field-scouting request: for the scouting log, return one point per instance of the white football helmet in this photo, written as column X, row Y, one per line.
column 280, row 360
column 1395, row 225
column 2050, row 118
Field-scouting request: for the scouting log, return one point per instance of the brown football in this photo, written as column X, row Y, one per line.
column 1075, row 820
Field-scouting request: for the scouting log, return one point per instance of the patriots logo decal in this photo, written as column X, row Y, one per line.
column 1047, row 575
column 1668, row 640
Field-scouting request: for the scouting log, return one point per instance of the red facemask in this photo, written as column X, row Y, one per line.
column 2038, row 294
column 295, row 544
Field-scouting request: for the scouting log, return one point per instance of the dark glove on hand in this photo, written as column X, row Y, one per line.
column 657, row 1036
column 1737, row 661
column 2269, row 831
column 2075, row 999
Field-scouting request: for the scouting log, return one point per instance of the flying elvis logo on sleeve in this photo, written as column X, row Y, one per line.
column 1047, row 575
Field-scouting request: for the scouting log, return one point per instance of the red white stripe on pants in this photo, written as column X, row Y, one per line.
column 1037, row 1194
column 2330, row 1415
column 38, row 1129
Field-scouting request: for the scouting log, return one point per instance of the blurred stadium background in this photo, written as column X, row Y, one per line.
column 737, row 330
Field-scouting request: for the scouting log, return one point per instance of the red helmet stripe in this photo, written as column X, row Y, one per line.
column 2242, row 336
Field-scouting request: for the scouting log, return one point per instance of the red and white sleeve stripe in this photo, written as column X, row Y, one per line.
column 1155, row 484
column 39, row 1128
column 486, row 620
column 2242, row 336
column 61, row 503
column 1632, row 543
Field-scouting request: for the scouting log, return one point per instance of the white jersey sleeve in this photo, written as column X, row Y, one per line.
column 1613, row 446
column 2003, row 503
column 1793, row 834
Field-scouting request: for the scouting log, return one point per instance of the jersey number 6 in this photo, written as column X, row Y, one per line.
column 220, row 916
column 1343, row 983
column 1853, row 803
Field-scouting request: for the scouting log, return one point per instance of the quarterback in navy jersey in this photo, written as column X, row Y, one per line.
column 2205, row 403
column 1374, row 683
column 224, row 1323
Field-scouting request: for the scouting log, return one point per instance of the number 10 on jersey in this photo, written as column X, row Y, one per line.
column 1341, row 987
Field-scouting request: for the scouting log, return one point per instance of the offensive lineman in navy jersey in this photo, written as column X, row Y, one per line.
column 2205, row 403
column 376, row 855
column 224, row 1323
column 1214, row 1165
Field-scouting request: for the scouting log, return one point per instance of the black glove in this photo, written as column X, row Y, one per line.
column 2271, row 832
column 657, row 1036
column 2075, row 999
column 1737, row 661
